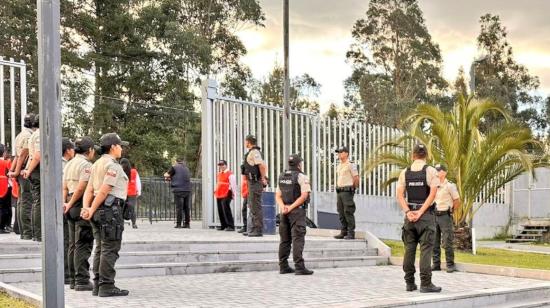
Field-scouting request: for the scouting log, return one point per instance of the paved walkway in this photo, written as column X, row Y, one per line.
column 515, row 247
column 349, row 287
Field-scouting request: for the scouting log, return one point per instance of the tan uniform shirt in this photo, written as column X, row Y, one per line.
column 33, row 145
column 76, row 170
column 446, row 194
column 254, row 157
column 432, row 176
column 107, row 170
column 22, row 140
column 305, row 185
column 345, row 174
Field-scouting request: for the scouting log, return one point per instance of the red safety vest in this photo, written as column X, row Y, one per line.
column 222, row 189
column 4, row 169
column 244, row 189
column 132, row 183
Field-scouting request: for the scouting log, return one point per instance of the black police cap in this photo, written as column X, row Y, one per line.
column 82, row 145
column 112, row 139
column 440, row 167
column 294, row 160
column 342, row 149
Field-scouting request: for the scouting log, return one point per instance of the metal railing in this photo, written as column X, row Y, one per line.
column 14, row 83
column 157, row 200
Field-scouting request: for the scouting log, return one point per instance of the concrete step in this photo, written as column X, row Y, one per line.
column 32, row 247
column 148, row 257
column 520, row 240
column 165, row 269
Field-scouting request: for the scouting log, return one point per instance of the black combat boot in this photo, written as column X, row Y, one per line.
column 436, row 267
column 286, row 270
column 303, row 271
column 431, row 288
column 411, row 287
column 342, row 234
column 72, row 284
column 350, row 236
column 242, row 230
column 112, row 291
column 451, row 268
column 84, row 287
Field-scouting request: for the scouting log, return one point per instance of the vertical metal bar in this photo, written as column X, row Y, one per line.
column 286, row 90
column 49, row 65
column 326, row 157
column 271, row 165
column 209, row 94
column 371, row 148
column 267, row 145
column 12, row 108
column 280, row 145
column 308, row 146
column 23, row 101
column 314, row 168
column 2, row 106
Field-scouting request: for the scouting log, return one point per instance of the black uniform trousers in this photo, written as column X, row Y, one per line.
column 255, row 189
column 292, row 231
column 5, row 210
column 84, row 241
column 36, row 206
column 420, row 232
column 224, row 212
column 25, row 207
column 183, row 207
column 106, row 248
column 131, row 202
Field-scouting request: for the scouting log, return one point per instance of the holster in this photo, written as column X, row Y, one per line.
column 111, row 221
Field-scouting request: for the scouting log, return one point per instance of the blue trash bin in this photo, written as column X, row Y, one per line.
column 270, row 212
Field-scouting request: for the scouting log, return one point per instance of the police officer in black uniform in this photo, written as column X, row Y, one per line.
column 292, row 198
column 255, row 171
column 420, row 182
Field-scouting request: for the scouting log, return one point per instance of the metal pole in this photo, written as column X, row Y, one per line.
column 49, row 63
column 286, row 113
column 209, row 94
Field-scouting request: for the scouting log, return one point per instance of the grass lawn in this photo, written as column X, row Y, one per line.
column 7, row 301
column 489, row 256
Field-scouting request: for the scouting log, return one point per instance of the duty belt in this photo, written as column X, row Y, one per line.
column 441, row 213
column 418, row 206
column 345, row 189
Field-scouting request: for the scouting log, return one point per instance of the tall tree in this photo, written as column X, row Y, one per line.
column 396, row 64
column 502, row 79
column 134, row 66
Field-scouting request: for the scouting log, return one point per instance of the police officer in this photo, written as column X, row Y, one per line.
column 24, row 206
column 103, row 201
column 180, row 180
column 346, row 182
column 292, row 196
column 420, row 182
column 75, row 179
column 255, row 171
column 446, row 200
column 32, row 172
column 67, row 150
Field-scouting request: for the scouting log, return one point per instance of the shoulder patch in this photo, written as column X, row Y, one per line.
column 111, row 172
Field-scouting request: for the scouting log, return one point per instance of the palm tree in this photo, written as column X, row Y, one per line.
column 480, row 159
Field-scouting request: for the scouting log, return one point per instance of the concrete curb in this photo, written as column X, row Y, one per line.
column 359, row 235
column 21, row 294
column 491, row 270
column 374, row 242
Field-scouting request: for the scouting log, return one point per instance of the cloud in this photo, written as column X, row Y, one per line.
column 320, row 35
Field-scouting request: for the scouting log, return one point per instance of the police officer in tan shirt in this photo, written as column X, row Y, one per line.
column 447, row 200
column 103, row 205
column 255, row 170
column 24, row 204
column 347, row 181
column 32, row 173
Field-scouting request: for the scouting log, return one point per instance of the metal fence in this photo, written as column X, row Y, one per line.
column 16, row 86
column 226, row 121
column 157, row 200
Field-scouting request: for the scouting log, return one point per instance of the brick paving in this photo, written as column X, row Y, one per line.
column 349, row 287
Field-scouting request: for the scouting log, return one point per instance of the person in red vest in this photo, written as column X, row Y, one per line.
column 225, row 192
column 5, row 193
column 134, row 191
column 244, row 211
column 14, row 197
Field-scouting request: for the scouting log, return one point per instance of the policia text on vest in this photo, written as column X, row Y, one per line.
column 419, row 182
column 292, row 197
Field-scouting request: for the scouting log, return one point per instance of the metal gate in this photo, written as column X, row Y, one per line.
column 530, row 195
column 13, row 79
column 226, row 121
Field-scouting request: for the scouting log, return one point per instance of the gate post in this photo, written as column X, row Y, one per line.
column 314, row 171
column 209, row 94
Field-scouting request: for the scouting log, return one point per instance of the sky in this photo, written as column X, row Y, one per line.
column 320, row 35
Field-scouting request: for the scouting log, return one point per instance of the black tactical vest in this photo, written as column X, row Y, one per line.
column 252, row 173
column 417, row 186
column 289, row 186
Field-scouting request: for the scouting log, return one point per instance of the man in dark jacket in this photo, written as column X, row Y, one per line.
column 180, row 178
